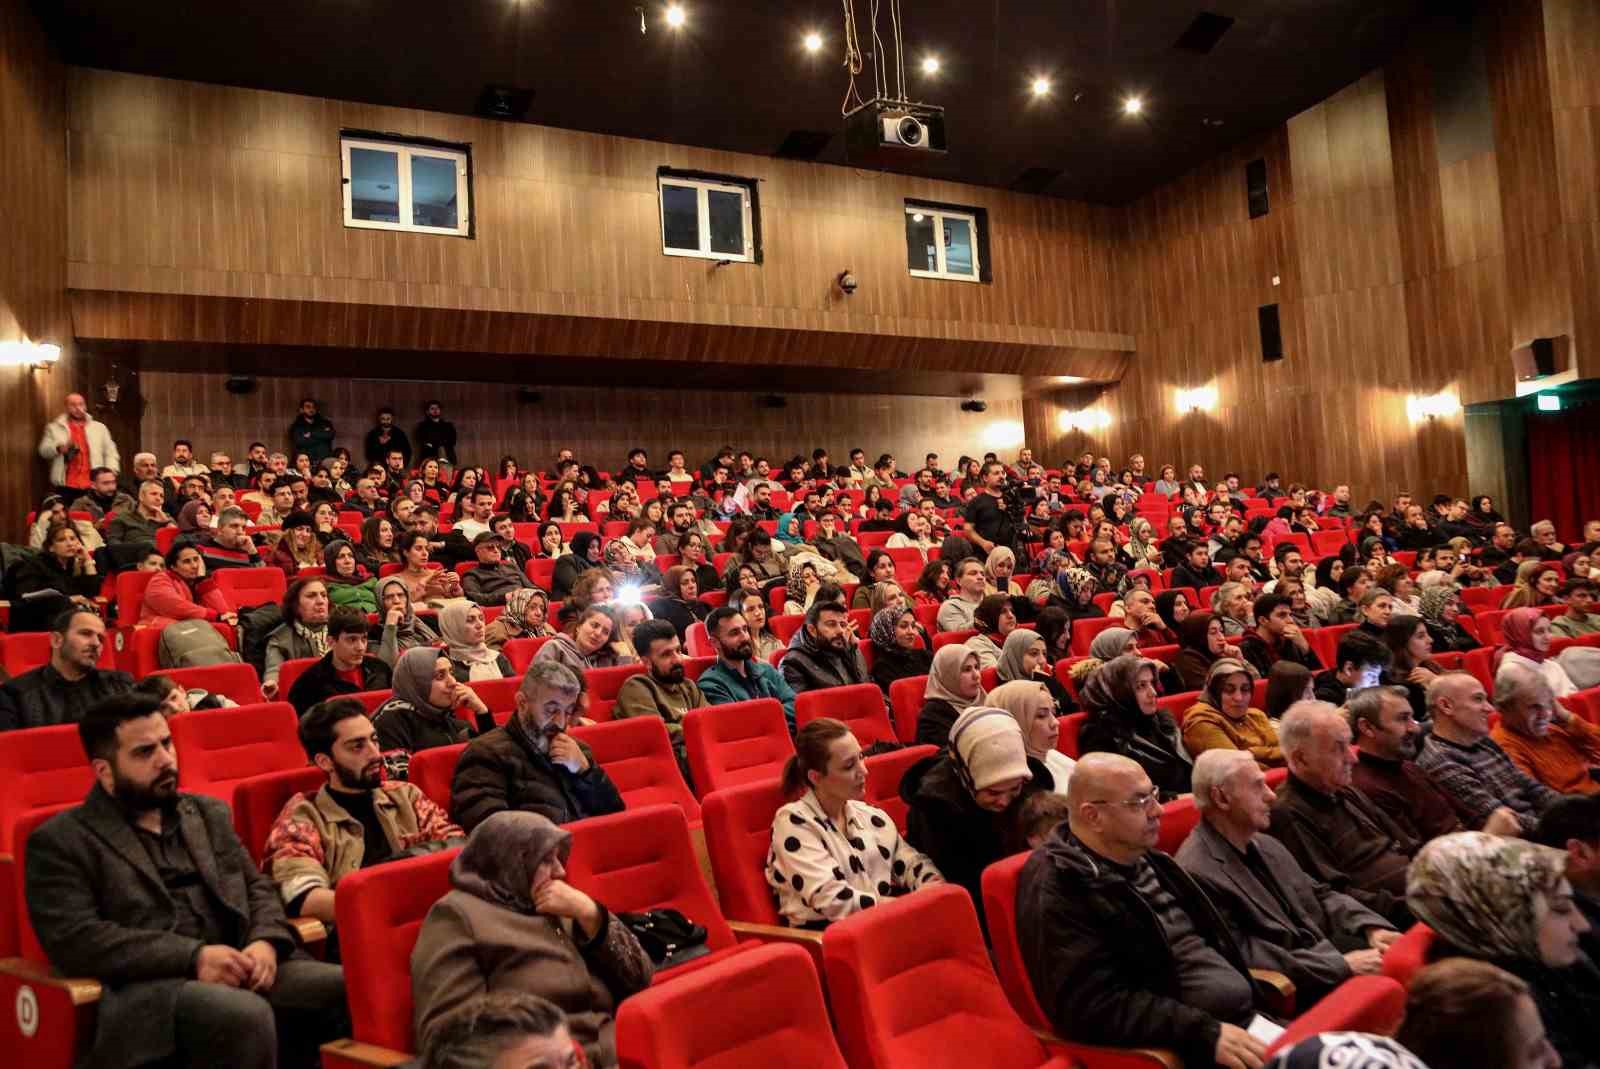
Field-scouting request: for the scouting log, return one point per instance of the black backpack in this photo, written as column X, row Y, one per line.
column 254, row 627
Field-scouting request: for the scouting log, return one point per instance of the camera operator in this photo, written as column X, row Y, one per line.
column 991, row 516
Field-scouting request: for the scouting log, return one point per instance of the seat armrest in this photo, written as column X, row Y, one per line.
column 775, row 933
column 82, row 991
column 1109, row 1057
column 309, row 930
column 348, row 1054
column 1283, row 1004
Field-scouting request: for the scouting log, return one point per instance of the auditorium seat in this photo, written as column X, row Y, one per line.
column 23, row 651
column 1084, row 632
column 884, row 772
column 521, row 651
column 290, row 670
column 637, row 755
column 542, row 570
column 693, row 666
column 1372, row 1004
column 1408, row 954
column 1178, row 819
column 989, row 678
column 1325, row 641
column 130, row 595
column 760, row 1008
column 500, row 695
column 1480, row 662
column 1178, row 704
column 257, row 801
column 247, row 587
column 39, row 768
column 895, row 972
column 1487, row 623
column 219, row 748
column 1328, row 543
column 697, row 643
column 740, row 742
column 906, row 696
column 236, row 681
column 927, row 616
column 942, row 639
column 860, row 706
column 139, row 648
column 784, row 627
column 431, row 771
column 1476, row 599
column 1071, row 726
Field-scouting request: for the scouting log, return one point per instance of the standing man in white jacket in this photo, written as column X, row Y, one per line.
column 76, row 443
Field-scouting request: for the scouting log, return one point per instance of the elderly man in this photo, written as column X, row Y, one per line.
column 1336, row 833
column 531, row 764
column 1139, row 615
column 230, row 545
column 1541, row 736
column 1122, row 947
column 1470, row 767
column 1387, row 736
column 496, row 576
column 1283, row 919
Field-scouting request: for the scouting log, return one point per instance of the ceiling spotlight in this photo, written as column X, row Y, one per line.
column 916, row 217
column 813, row 42
column 930, row 64
column 1133, row 106
column 1041, row 86
column 676, row 17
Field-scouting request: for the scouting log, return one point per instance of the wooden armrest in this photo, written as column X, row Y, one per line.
column 81, row 990
column 309, row 929
column 1164, row 1058
column 775, row 933
column 347, row 1052
column 1281, row 984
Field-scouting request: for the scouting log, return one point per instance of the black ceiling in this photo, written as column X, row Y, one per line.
column 735, row 77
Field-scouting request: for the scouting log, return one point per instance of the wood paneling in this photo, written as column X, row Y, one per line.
column 33, row 228
column 194, row 191
column 600, row 423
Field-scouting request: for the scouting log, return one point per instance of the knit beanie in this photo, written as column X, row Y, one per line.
column 990, row 744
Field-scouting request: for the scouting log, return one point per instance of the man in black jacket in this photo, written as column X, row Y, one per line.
column 63, row 690
column 385, row 437
column 1276, row 637
column 346, row 668
column 1122, row 947
column 311, row 433
column 823, row 652
column 532, row 764
column 1196, row 571
column 436, row 436
column 150, row 892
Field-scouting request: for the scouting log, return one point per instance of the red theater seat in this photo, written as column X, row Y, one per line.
column 245, row 587
column 1067, row 739
column 521, row 651
column 236, row 681
column 860, row 706
column 291, row 670
column 637, row 755
column 740, row 742
column 23, row 651
column 257, row 801
column 219, row 748
column 884, row 772
column 906, row 696
column 432, row 770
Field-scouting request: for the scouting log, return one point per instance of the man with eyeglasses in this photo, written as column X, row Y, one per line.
column 1387, row 737
column 1122, row 946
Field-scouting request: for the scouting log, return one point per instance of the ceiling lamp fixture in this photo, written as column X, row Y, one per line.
column 1040, row 86
column 676, row 16
column 1133, row 105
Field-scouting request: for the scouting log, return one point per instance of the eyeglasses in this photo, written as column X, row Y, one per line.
column 1138, row 801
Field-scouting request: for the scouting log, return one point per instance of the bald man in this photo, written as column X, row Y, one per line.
column 1122, row 947
column 75, row 444
column 1336, row 833
column 1469, row 766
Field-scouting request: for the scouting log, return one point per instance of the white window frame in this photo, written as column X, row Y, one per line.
column 406, row 153
column 702, row 187
column 939, row 215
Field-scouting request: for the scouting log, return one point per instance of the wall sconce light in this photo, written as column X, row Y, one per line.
column 29, row 354
column 1199, row 399
column 1421, row 407
column 1088, row 420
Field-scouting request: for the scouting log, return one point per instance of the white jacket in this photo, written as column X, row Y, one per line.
column 102, row 450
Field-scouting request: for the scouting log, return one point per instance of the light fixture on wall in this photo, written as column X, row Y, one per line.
column 1087, row 420
column 29, row 354
column 1003, row 434
column 1420, row 407
column 1199, row 399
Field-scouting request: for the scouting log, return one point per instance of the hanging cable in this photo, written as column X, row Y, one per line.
column 899, row 52
column 852, row 59
column 880, row 77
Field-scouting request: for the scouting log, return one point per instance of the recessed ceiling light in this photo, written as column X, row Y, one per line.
column 1040, row 86
column 1133, row 105
column 930, row 64
column 813, row 42
column 676, row 17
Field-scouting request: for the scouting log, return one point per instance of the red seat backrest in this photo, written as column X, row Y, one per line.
column 643, row 859
column 1178, row 819
column 242, row 587
column 884, row 772
column 40, row 767
column 895, row 970
column 1488, row 625
column 26, row 822
column 927, row 616
column 1000, row 908
column 637, row 755
column 738, row 827
column 370, row 699
column 697, row 642
column 379, row 912
column 606, row 683
column 1325, row 641
column 521, row 651
column 693, row 666
column 1084, row 632
column 431, row 771
column 762, row 1008
column 130, row 595
column 784, row 627
column 257, row 801
column 989, row 678
column 289, row 671
column 906, row 696
column 500, row 695
column 860, row 706
column 217, row 748
column 740, row 742
column 1178, row 704
column 23, row 651
column 1258, row 694
column 1067, row 739
column 1408, row 954
column 236, row 681
column 951, row 638
column 1480, row 662
column 542, row 570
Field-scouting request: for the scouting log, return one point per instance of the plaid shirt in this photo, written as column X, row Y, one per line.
column 1480, row 778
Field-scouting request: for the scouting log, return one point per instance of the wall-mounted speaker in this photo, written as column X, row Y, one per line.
column 1271, row 333
column 974, row 405
column 527, row 395
column 1542, row 358
column 240, row 384
column 1255, row 188
column 772, row 400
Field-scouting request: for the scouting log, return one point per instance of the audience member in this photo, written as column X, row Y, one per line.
column 1276, row 637
column 1336, row 833
column 346, row 668
column 1283, row 919
column 61, row 576
column 1465, row 1012
column 1034, row 710
column 139, row 524
column 898, row 650
column 303, row 633
column 1527, row 644
column 1203, row 642
column 1387, row 738
column 1572, row 824
column 102, row 497
column 462, row 628
column 1223, row 718
column 1578, row 620
column 435, row 436
column 1026, row 656
column 182, row 591
column 1470, row 767
column 958, row 611
column 954, row 686
column 1542, row 737
column 1121, row 945
column 70, row 684
column 401, row 628
column 149, row 891
column 531, row 764
column 823, row 652
column 384, row 438
column 1359, row 661
column 495, row 577
column 421, row 714
column 738, row 675
column 75, row 444
column 663, row 690
column 1124, row 719
column 994, row 619
column 512, row 924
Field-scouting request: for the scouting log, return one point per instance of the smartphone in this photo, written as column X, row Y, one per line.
column 1370, row 674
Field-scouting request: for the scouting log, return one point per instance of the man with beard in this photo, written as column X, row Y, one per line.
column 823, row 653
column 102, row 496
column 738, row 676
column 64, row 689
column 386, row 438
column 664, row 690
column 436, row 436
column 151, row 892
column 356, row 820
column 680, row 521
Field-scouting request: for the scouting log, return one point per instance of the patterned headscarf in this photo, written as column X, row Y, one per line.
column 1434, row 598
column 1346, row 1050
column 1111, row 687
column 517, row 608
column 1485, row 894
column 1076, row 585
column 1110, row 644
column 882, row 629
column 502, row 854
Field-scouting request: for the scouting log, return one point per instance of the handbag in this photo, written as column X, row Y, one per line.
column 667, row 936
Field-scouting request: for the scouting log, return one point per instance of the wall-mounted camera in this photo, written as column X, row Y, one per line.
column 846, row 282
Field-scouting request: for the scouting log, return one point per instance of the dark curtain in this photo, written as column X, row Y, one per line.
column 1564, row 467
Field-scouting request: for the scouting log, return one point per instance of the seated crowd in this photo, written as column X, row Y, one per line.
column 1343, row 790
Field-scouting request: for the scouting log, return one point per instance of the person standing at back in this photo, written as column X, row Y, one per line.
column 75, row 444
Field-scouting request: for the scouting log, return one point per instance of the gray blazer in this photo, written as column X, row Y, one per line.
column 1265, row 931
column 101, row 911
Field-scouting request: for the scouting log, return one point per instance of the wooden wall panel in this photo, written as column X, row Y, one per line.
column 601, row 423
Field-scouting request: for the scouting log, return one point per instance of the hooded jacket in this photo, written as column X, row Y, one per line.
column 811, row 666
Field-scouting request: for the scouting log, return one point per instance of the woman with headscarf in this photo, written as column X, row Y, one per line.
column 679, row 601
column 1441, row 611
column 1142, row 549
column 377, row 546
column 194, row 520
column 348, row 582
column 630, row 572
column 1536, row 585
column 1483, row 516
column 526, row 615
column 898, row 651
column 1173, row 607
column 585, row 554
column 994, row 620
column 954, row 684
column 804, row 581
column 1030, row 704
column 1508, row 902
column 1125, row 719
column 402, row 630
column 998, row 569
column 1323, row 593
column 511, row 922
column 1203, row 642
column 1527, row 644
column 421, row 715
column 1223, row 718
column 1075, row 590
column 462, row 627
column 1026, row 658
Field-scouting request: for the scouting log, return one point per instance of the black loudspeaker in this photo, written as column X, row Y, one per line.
column 974, row 405
column 1255, row 187
column 772, row 400
column 240, row 384
column 1271, row 333
column 1544, row 356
